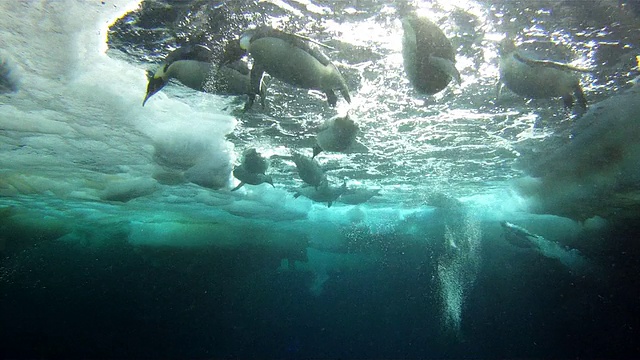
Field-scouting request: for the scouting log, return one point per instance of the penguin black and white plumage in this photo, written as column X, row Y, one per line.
column 289, row 58
column 524, row 74
column 193, row 66
column 309, row 170
column 429, row 57
column 356, row 196
column 252, row 170
column 336, row 134
column 325, row 193
column 519, row 236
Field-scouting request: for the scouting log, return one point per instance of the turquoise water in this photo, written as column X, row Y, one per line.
column 120, row 237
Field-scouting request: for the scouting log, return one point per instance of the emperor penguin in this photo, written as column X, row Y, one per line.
column 429, row 57
column 518, row 236
column 193, row 66
column 289, row 58
column 336, row 134
column 524, row 74
column 252, row 170
column 325, row 193
column 355, row 196
column 309, row 170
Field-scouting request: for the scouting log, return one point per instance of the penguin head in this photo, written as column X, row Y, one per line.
column 245, row 39
column 157, row 81
column 233, row 52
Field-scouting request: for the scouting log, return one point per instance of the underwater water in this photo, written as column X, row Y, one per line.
column 472, row 227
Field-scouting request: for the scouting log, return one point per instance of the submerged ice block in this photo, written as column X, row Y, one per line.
column 596, row 172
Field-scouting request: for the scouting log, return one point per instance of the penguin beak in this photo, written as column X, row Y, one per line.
column 155, row 84
column 146, row 98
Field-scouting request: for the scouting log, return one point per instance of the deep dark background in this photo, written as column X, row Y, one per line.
column 62, row 300
column 118, row 301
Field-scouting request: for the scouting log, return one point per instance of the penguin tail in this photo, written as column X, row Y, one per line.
column 316, row 150
column 344, row 89
column 345, row 94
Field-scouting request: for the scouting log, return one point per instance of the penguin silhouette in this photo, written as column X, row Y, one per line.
column 289, row 58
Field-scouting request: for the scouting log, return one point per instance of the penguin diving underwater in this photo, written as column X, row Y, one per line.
column 525, row 75
column 336, row 134
column 192, row 66
column 252, row 170
column 325, row 193
column 519, row 236
column 289, row 58
column 429, row 57
column 309, row 170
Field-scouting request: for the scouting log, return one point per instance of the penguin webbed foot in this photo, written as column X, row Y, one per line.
column 567, row 99
column 499, row 86
column 578, row 107
column 263, row 102
column 252, row 98
column 581, row 100
column 249, row 104
column 332, row 98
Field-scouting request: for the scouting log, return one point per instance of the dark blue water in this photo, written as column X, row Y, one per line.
column 80, row 278
column 117, row 301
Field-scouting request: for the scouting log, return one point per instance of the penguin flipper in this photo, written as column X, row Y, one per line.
column 239, row 66
column 345, row 95
column 263, row 91
column 299, row 41
column 257, row 72
column 447, row 66
column 238, row 187
column 190, row 52
column 549, row 63
column 332, row 98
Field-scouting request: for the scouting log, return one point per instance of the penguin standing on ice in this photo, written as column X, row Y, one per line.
column 525, row 75
column 336, row 134
column 252, row 170
column 192, row 65
column 289, row 58
column 429, row 57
